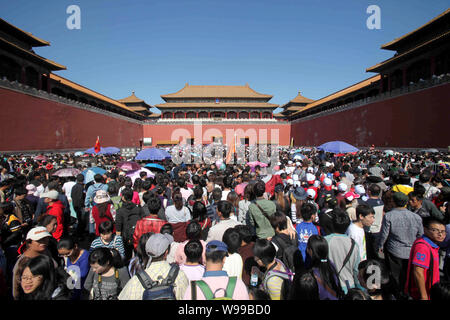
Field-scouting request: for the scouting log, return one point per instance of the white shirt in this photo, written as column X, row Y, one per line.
column 216, row 232
column 193, row 273
column 357, row 234
column 233, row 265
column 225, row 194
column 174, row 216
column 67, row 188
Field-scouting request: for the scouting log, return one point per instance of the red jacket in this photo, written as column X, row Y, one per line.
column 57, row 209
column 98, row 220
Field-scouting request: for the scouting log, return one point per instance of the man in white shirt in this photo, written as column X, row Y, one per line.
column 365, row 216
column 223, row 211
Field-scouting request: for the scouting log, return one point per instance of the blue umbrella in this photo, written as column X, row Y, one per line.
column 112, row 150
column 152, row 154
column 92, row 151
column 155, row 165
column 91, row 172
column 299, row 156
column 337, row 147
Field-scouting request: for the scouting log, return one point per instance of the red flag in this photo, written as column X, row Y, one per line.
column 270, row 185
column 97, row 145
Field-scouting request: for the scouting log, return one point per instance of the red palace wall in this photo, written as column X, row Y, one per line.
column 264, row 133
column 32, row 123
column 416, row 120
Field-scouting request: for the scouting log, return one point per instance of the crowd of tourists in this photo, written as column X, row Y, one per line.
column 370, row 225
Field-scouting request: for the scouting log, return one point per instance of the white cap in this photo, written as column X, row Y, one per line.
column 290, row 181
column 310, row 169
column 311, row 193
column 38, row 233
column 295, row 177
column 290, row 162
column 52, row 194
column 298, row 163
column 359, row 189
column 310, row 177
column 327, row 182
column 317, row 183
column 342, row 187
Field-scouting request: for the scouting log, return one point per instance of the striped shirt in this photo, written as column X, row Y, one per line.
column 274, row 284
column 157, row 271
column 115, row 243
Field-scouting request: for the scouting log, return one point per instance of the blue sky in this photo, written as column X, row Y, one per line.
column 278, row 47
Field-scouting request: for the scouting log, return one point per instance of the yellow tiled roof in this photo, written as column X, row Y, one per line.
column 195, row 91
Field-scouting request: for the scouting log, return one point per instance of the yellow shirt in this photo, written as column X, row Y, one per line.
column 402, row 188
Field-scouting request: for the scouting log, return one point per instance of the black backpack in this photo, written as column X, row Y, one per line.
column 155, row 290
column 288, row 253
column 133, row 217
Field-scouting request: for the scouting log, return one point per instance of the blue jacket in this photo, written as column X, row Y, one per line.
column 90, row 194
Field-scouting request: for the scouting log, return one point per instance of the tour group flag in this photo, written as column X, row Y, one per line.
column 232, row 150
column 97, row 145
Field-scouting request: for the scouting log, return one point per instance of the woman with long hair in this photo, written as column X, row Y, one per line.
column 39, row 281
column 200, row 215
column 281, row 201
column 234, row 198
column 245, row 203
column 139, row 262
column 304, row 287
column 103, row 210
column 323, row 269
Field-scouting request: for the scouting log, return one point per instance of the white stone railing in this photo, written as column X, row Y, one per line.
column 20, row 87
column 219, row 120
column 412, row 87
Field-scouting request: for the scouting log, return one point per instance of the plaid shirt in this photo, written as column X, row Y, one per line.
column 146, row 225
column 134, row 290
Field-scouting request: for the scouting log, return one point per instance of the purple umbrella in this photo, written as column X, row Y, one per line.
column 135, row 174
column 40, row 158
column 67, row 172
column 257, row 163
column 128, row 166
column 153, row 154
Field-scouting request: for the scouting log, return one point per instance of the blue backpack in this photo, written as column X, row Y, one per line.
column 155, row 290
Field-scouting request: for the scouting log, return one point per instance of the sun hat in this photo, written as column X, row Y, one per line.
column 101, row 196
column 300, row 193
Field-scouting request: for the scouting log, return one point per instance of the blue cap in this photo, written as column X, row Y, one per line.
column 216, row 245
